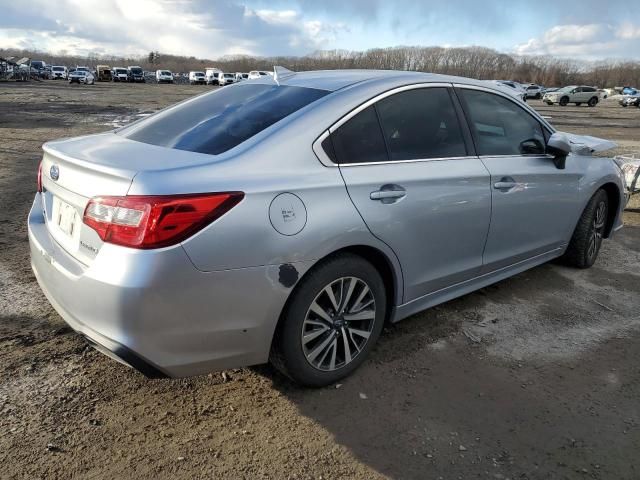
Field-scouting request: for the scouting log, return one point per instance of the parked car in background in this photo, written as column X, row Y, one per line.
column 227, row 78
column 82, row 69
column 39, row 67
column 211, row 76
column 258, row 74
column 144, row 239
column 630, row 100
column 164, row 76
column 119, row 74
column 135, row 74
column 534, row 91
column 241, row 76
column 82, row 76
column 103, row 73
column 215, row 78
column 197, row 78
column 59, row 71
column 577, row 94
column 625, row 91
column 512, row 88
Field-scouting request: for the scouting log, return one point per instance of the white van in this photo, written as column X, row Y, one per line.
column 197, row 78
column 163, row 76
column 211, row 76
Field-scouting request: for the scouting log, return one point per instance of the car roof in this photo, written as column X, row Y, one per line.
column 333, row 80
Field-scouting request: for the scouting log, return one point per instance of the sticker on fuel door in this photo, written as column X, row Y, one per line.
column 288, row 214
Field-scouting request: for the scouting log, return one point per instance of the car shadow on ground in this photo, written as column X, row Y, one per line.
column 433, row 403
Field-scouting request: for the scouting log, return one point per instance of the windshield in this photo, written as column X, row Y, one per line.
column 199, row 74
column 58, row 69
column 218, row 121
column 566, row 89
column 229, row 75
column 136, row 70
column 165, row 73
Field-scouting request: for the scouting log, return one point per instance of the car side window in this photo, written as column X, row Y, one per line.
column 360, row 140
column 421, row 123
column 501, row 127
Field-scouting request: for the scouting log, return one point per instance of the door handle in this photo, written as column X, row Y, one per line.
column 388, row 193
column 383, row 194
column 505, row 183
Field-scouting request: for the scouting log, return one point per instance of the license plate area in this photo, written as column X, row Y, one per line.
column 65, row 220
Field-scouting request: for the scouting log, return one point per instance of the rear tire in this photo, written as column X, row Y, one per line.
column 331, row 323
column 586, row 241
column 578, row 104
column 593, row 101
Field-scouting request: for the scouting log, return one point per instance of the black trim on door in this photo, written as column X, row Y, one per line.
column 463, row 122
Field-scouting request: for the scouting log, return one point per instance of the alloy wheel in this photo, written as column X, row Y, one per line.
column 338, row 323
column 597, row 230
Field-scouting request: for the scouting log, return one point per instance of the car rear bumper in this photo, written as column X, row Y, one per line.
column 153, row 310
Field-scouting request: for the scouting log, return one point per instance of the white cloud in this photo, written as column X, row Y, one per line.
column 589, row 41
column 628, row 31
column 198, row 28
column 573, row 34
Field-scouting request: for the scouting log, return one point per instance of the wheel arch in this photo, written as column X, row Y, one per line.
column 613, row 195
column 388, row 269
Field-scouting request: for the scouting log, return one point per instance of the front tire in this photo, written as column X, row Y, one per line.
column 586, row 241
column 564, row 101
column 332, row 322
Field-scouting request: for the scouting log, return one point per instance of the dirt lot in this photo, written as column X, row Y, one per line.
column 536, row 377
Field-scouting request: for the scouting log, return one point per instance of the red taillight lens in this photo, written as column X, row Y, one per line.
column 155, row 221
column 40, row 177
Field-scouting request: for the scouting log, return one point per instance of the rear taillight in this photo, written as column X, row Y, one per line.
column 155, row 221
column 40, row 177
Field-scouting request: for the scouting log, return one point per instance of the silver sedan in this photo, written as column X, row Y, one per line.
column 287, row 218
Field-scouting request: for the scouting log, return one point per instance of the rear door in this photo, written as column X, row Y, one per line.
column 409, row 170
column 534, row 204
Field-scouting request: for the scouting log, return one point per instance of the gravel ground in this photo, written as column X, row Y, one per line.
column 535, row 377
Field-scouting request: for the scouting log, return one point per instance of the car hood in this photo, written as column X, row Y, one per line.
column 594, row 144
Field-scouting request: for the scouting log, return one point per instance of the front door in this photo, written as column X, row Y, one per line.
column 531, row 198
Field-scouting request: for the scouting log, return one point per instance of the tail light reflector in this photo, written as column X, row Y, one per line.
column 155, row 221
column 40, row 177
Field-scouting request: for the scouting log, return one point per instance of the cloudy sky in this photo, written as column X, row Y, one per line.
column 586, row 29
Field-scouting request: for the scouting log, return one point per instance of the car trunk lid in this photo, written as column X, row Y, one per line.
column 75, row 170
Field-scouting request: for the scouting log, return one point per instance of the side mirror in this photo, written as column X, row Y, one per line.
column 559, row 146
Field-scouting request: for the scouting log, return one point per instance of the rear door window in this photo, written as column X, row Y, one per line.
column 218, row 121
column 359, row 140
column 421, row 123
column 500, row 127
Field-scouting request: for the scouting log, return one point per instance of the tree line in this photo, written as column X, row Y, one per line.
column 475, row 62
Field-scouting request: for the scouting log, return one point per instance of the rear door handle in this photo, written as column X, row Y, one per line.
column 388, row 193
column 505, row 183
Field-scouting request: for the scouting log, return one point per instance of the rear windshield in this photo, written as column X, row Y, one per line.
column 218, row 121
